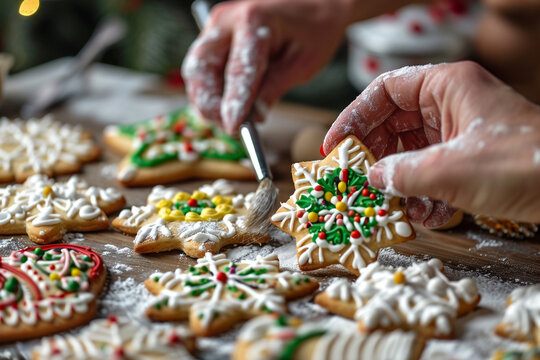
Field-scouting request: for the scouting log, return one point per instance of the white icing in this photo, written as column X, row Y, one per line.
column 127, row 173
column 522, row 316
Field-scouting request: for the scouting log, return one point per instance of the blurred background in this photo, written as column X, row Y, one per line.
column 502, row 35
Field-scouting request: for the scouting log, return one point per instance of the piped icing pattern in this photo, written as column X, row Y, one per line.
column 208, row 215
column 41, row 201
column 37, row 145
column 419, row 296
column 217, row 287
column 521, row 319
column 118, row 338
column 334, row 208
column 529, row 354
column 279, row 337
column 47, row 282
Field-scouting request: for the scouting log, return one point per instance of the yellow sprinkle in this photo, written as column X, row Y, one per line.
column 54, row 276
column 294, row 321
column 218, row 199
column 164, row 204
column 225, row 208
column 342, row 186
column 199, row 195
column 75, row 272
column 47, row 191
column 181, row 196
column 164, row 212
column 211, row 214
column 498, row 355
column 192, row 216
column 341, row 206
column 328, row 196
column 369, row 212
column 313, row 217
column 399, row 277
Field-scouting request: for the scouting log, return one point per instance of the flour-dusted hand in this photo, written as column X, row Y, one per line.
column 470, row 141
column 251, row 52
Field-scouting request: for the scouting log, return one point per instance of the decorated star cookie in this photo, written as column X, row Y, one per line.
column 119, row 338
column 175, row 147
column 419, row 298
column 336, row 216
column 509, row 228
column 42, row 146
column 46, row 210
column 529, row 354
column 205, row 220
column 47, row 289
column 284, row 338
column 521, row 319
column 217, row 293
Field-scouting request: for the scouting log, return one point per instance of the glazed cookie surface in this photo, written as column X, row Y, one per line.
column 174, row 147
column 119, row 338
column 46, row 210
column 521, row 319
column 419, row 297
column 336, row 216
column 285, row 338
column 217, row 293
column 42, row 146
column 48, row 289
column 205, row 220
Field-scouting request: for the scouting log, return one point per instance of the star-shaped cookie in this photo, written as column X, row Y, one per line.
column 205, row 220
column 119, row 338
column 48, row 289
column 42, row 146
column 419, row 297
column 278, row 337
column 217, row 293
column 336, row 216
column 177, row 146
column 46, row 210
column 521, row 319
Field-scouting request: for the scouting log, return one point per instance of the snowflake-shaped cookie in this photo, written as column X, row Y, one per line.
column 217, row 293
column 46, row 210
column 521, row 319
column 336, row 216
column 175, row 147
column 419, row 298
column 42, row 146
column 48, row 289
column 280, row 337
column 119, row 338
column 205, row 220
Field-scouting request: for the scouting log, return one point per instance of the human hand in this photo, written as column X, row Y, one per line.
column 470, row 141
column 251, row 52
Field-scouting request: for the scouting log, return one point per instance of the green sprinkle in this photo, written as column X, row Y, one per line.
column 232, row 289
column 306, row 280
column 24, row 258
column 49, row 257
column 156, row 278
column 11, row 284
column 242, row 296
column 39, row 251
column 73, row 285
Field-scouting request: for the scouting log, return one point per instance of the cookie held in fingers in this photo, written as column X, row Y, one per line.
column 419, row 298
column 48, row 289
column 521, row 319
column 119, row 338
column 45, row 209
column 286, row 338
column 42, row 146
column 205, row 220
column 336, row 216
column 175, row 147
column 218, row 293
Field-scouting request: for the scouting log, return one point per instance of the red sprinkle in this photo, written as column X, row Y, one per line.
column 371, row 64
column 355, row 234
column 366, row 183
column 372, row 196
column 344, row 175
column 322, row 151
column 382, row 212
column 112, row 319
column 174, row 338
column 339, row 197
column 339, row 216
column 351, row 213
column 352, row 189
column 321, row 218
column 318, row 188
column 299, row 214
column 192, row 203
column 179, row 127
column 188, row 147
column 322, row 235
column 416, row 27
column 365, row 192
column 119, row 353
column 221, row 277
column 52, row 267
column 357, row 218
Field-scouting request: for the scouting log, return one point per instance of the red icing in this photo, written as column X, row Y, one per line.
column 322, row 235
column 372, row 196
column 355, row 234
column 365, row 192
column 192, row 202
column 17, row 272
column 382, row 212
column 222, row 277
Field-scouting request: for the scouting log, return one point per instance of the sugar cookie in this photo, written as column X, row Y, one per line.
column 521, row 319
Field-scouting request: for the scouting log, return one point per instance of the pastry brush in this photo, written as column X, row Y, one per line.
column 265, row 201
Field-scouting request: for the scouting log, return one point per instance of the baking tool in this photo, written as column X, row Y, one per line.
column 506, row 228
column 107, row 33
column 266, row 196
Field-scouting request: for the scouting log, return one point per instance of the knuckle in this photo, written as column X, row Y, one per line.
column 468, row 70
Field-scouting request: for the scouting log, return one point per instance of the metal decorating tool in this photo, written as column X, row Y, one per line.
column 266, row 198
column 107, row 33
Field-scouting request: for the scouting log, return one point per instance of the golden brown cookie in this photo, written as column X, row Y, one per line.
column 521, row 319
column 285, row 338
column 119, row 338
column 46, row 210
column 48, row 289
column 505, row 227
column 336, row 216
column 205, row 220
column 174, row 147
column 42, row 146
column 217, row 293
column 419, row 297
column 529, row 354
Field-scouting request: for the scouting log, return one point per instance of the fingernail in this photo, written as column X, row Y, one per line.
column 321, row 150
column 376, row 176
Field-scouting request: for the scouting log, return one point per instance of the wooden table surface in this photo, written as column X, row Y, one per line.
column 464, row 248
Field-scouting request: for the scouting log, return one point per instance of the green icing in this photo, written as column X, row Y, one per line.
column 290, row 348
